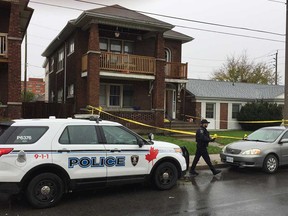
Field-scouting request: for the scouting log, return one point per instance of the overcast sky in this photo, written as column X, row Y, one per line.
column 205, row 54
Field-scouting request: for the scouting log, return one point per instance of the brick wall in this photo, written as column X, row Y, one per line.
column 14, row 65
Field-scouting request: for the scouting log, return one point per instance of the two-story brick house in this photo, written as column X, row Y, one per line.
column 126, row 62
column 14, row 19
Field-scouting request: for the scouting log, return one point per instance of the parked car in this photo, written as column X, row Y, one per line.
column 266, row 147
column 45, row 158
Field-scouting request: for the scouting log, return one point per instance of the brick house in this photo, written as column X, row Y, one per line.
column 36, row 86
column 14, row 19
column 126, row 62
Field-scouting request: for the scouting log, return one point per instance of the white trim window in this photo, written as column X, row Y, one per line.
column 60, row 96
column 71, row 46
column 210, row 107
column 60, row 63
column 235, row 110
column 116, row 95
column 70, row 91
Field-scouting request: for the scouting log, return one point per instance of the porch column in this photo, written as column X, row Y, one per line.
column 159, row 84
column 14, row 65
column 93, row 67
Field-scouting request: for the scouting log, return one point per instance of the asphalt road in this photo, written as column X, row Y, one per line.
column 233, row 192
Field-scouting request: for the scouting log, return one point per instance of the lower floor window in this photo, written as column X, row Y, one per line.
column 113, row 95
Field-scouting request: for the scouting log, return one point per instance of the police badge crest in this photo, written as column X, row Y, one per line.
column 134, row 159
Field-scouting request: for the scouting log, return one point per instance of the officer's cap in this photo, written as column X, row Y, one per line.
column 203, row 121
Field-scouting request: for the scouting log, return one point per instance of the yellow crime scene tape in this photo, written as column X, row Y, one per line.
column 92, row 109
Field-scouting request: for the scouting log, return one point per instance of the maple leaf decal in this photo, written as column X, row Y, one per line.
column 152, row 154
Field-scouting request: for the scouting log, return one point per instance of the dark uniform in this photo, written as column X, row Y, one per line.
column 202, row 140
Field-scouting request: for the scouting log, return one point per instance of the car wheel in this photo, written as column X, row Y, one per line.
column 165, row 176
column 45, row 190
column 270, row 164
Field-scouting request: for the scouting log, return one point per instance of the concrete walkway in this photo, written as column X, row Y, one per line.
column 215, row 159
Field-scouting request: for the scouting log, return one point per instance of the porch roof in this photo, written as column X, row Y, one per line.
column 229, row 90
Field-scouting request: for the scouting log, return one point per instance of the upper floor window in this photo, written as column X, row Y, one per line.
column 168, row 55
column 52, row 64
column 71, row 46
column 103, row 44
column 60, row 63
column 116, row 46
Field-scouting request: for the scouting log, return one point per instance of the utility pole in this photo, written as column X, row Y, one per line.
column 276, row 68
column 285, row 111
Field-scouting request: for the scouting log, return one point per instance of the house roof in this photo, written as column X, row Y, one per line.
column 115, row 15
column 122, row 14
column 229, row 90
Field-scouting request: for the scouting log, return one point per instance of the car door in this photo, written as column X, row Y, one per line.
column 124, row 155
column 284, row 148
column 78, row 150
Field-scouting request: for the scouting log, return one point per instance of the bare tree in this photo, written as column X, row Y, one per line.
column 242, row 70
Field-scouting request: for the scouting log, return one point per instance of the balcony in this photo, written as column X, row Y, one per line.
column 3, row 45
column 134, row 64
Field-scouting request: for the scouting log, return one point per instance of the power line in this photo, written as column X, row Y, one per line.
column 187, row 27
column 191, row 20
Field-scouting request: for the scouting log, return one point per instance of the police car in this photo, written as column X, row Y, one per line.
column 45, row 158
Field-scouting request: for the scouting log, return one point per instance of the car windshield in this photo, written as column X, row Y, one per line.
column 265, row 135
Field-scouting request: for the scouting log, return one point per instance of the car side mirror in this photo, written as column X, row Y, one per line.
column 151, row 136
column 285, row 140
column 141, row 142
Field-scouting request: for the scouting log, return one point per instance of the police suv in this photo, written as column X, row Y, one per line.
column 45, row 158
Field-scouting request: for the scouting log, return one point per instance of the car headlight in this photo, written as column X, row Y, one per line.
column 252, row 152
column 178, row 150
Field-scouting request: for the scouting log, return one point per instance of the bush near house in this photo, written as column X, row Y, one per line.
column 259, row 111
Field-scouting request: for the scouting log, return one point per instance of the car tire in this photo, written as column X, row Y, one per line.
column 165, row 176
column 270, row 164
column 45, row 190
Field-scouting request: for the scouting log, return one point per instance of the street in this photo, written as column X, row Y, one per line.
column 233, row 192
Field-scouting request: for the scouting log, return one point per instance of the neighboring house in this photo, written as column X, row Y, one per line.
column 119, row 59
column 14, row 19
column 36, row 86
column 220, row 102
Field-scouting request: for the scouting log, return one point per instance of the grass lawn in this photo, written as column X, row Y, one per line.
column 191, row 146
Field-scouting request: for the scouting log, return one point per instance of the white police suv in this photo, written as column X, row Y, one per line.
column 45, row 158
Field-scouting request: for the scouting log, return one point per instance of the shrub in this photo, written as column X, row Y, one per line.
column 259, row 111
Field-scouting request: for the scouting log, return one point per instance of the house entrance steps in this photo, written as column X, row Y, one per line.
column 181, row 126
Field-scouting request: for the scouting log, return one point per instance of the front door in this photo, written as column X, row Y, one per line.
column 170, row 103
column 127, row 158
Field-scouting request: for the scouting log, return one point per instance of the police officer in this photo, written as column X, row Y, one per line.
column 202, row 139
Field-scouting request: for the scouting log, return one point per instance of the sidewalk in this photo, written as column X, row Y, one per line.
column 215, row 159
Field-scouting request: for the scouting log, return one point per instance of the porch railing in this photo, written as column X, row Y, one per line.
column 3, row 44
column 126, row 63
column 176, row 70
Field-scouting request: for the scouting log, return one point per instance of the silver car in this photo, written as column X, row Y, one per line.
column 266, row 147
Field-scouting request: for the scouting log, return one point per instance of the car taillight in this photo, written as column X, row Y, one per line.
column 4, row 151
